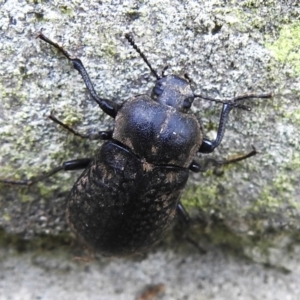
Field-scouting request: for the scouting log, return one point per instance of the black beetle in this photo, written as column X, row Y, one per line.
column 130, row 190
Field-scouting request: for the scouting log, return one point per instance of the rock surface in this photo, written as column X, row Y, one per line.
column 227, row 49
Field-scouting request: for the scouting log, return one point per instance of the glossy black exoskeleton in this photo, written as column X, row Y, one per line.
column 130, row 190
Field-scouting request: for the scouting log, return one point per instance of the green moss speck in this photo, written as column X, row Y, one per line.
column 200, row 196
column 133, row 14
column 293, row 116
column 286, row 48
column 277, row 194
column 6, row 217
column 40, row 243
column 65, row 9
column 25, row 197
column 71, row 117
column 109, row 49
column 257, row 3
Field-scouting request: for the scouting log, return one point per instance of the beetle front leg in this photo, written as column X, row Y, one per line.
column 106, row 105
column 208, row 146
column 70, row 165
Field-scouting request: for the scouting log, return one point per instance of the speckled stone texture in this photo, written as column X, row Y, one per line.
column 227, row 49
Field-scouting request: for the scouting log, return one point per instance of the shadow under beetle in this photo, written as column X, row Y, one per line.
column 130, row 190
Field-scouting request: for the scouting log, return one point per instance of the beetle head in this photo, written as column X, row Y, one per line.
column 169, row 90
column 173, row 91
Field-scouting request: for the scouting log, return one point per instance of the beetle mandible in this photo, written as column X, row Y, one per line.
column 129, row 192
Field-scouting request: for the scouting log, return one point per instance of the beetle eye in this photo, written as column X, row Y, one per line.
column 158, row 89
column 187, row 103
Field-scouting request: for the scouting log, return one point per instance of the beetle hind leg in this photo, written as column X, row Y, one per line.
column 183, row 214
column 185, row 218
column 70, row 165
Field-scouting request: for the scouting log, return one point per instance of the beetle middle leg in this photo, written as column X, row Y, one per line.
column 108, row 106
column 101, row 135
column 71, row 165
column 211, row 162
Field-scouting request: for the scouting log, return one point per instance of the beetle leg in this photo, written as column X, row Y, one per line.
column 70, row 165
column 106, row 135
column 101, row 135
column 208, row 146
column 207, row 164
column 211, row 162
column 184, row 216
column 238, row 157
column 108, row 106
column 195, row 167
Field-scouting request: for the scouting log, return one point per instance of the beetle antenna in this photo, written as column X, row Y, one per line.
column 142, row 55
column 234, row 101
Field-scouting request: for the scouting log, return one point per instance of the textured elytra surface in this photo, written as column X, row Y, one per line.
column 120, row 204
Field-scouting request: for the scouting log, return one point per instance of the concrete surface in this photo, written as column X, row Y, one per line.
column 214, row 276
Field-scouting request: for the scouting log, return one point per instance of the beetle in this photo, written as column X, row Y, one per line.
column 129, row 192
